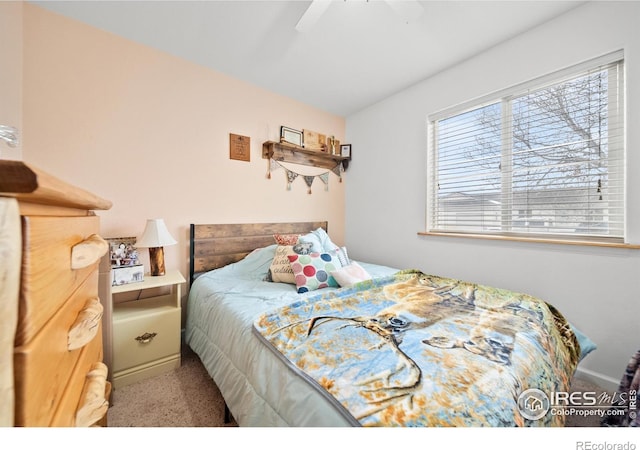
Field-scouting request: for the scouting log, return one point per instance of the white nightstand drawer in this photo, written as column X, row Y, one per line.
column 157, row 313
column 133, row 348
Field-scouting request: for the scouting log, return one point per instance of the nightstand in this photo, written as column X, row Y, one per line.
column 146, row 331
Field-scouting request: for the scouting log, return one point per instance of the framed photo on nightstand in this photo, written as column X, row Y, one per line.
column 345, row 151
column 125, row 265
column 123, row 251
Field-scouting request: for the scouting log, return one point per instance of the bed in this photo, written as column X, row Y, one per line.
column 378, row 346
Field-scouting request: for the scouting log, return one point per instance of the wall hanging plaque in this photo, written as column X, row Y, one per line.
column 239, row 147
column 314, row 141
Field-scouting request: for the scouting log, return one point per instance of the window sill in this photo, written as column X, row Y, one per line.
column 533, row 240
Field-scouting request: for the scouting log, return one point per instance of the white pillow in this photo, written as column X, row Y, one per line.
column 341, row 254
column 322, row 243
column 350, row 274
column 320, row 240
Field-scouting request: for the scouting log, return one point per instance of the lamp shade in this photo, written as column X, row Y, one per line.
column 155, row 235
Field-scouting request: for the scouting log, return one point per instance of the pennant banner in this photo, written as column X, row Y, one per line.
column 325, row 179
column 338, row 171
column 291, row 176
column 273, row 165
column 308, row 179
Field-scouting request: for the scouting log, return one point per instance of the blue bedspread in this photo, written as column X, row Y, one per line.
column 412, row 349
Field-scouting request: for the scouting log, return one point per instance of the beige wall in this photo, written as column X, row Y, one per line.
column 150, row 132
column 11, row 73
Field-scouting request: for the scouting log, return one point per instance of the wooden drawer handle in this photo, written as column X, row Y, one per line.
column 94, row 404
column 88, row 252
column 146, row 338
column 86, row 326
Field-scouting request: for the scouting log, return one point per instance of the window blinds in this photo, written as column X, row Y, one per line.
column 543, row 159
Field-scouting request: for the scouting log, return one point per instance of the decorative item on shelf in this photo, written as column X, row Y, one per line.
column 334, row 145
column 314, row 141
column 291, row 136
column 125, row 264
column 345, row 151
column 239, row 147
column 155, row 237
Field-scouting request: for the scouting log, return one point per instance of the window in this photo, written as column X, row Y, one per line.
column 543, row 160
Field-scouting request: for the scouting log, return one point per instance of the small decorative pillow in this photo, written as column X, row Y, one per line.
column 313, row 271
column 350, row 274
column 341, row 254
column 280, row 269
column 320, row 240
column 286, row 239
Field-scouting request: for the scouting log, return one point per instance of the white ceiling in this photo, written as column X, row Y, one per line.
column 357, row 53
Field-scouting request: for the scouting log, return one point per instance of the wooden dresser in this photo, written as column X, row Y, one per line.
column 59, row 375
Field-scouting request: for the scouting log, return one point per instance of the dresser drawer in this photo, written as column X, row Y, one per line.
column 130, row 352
column 44, row 367
column 47, row 278
column 64, row 415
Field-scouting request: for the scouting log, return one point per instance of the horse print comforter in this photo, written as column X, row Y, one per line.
column 412, row 349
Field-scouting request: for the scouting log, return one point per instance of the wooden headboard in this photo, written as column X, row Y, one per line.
column 216, row 245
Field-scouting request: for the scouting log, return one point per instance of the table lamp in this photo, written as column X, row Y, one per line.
column 155, row 237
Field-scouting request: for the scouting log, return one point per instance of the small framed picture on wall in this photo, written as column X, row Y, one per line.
column 239, row 147
column 345, row 151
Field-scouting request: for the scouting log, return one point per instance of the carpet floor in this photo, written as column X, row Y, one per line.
column 188, row 397
column 184, row 397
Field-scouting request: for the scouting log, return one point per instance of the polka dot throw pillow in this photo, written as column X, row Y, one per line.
column 313, row 271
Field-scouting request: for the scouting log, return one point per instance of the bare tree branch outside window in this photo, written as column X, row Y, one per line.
column 538, row 162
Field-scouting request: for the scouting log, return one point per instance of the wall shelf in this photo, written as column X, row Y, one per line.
column 293, row 154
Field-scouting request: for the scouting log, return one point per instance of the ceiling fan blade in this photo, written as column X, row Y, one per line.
column 315, row 10
column 407, row 9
